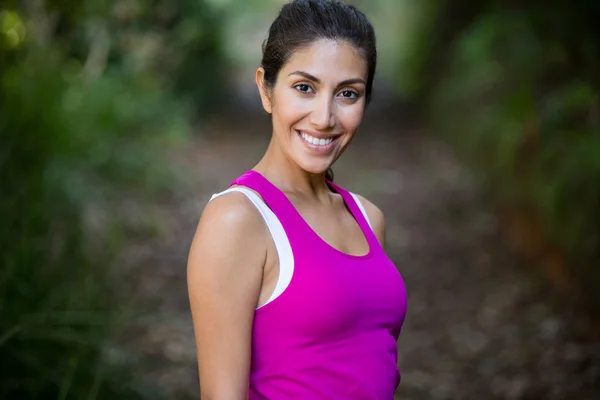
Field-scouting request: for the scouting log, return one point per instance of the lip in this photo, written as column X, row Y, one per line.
column 319, row 148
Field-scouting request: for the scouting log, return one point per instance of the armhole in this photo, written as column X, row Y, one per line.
column 280, row 239
column 362, row 209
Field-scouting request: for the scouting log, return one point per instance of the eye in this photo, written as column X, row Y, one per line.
column 349, row 94
column 303, row 88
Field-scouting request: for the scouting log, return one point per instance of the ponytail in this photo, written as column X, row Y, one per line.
column 329, row 174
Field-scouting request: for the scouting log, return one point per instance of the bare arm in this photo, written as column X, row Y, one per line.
column 224, row 280
column 376, row 218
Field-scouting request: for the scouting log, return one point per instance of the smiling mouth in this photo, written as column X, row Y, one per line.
column 317, row 141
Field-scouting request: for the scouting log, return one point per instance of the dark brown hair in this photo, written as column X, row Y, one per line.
column 301, row 22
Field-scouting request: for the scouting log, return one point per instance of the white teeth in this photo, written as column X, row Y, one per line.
column 315, row 141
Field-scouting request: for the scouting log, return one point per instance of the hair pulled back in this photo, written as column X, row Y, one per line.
column 301, row 22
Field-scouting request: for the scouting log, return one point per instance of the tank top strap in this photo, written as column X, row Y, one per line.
column 356, row 212
column 275, row 199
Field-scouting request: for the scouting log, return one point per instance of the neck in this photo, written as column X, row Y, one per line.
column 288, row 176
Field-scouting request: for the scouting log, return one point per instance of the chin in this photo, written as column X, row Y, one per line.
column 315, row 169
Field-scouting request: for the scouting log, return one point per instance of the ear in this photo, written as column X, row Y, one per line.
column 265, row 95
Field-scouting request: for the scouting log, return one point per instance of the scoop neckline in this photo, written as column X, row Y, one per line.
column 333, row 188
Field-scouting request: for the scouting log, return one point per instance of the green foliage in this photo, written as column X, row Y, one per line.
column 200, row 71
column 87, row 116
column 531, row 118
column 56, row 297
column 415, row 53
column 178, row 42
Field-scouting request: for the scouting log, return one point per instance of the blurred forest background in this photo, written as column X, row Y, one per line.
column 118, row 119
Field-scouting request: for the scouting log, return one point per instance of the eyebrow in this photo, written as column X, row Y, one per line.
column 317, row 80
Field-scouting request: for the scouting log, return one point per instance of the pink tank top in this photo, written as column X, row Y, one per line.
column 332, row 334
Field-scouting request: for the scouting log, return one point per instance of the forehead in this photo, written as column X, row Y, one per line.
column 328, row 59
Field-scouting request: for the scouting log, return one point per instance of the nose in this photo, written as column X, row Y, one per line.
column 322, row 115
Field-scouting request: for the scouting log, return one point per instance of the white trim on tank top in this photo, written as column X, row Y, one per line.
column 362, row 209
column 280, row 239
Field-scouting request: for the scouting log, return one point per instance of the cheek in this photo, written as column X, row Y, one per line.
column 350, row 117
column 288, row 108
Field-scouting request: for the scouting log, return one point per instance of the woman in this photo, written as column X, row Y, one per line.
column 291, row 292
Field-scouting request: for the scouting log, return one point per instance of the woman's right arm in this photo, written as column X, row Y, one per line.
column 225, row 268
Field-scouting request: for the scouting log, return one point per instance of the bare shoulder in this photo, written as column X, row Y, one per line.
column 230, row 230
column 224, row 276
column 376, row 218
column 230, row 214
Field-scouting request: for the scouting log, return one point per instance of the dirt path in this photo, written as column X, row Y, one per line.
column 480, row 325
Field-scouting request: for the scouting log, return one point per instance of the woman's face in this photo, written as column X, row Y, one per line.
column 317, row 103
